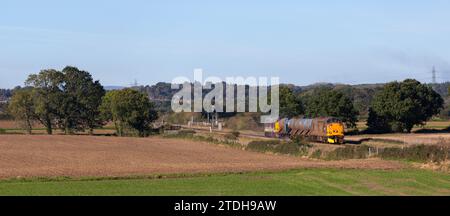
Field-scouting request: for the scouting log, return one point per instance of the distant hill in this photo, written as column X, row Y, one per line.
column 109, row 88
column 5, row 94
column 441, row 88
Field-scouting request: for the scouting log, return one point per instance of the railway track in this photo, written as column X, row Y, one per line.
column 245, row 135
column 224, row 132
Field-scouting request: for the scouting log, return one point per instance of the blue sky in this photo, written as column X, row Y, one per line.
column 302, row 42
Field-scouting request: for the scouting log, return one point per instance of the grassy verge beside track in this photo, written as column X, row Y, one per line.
column 293, row 182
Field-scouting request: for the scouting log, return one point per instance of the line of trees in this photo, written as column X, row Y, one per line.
column 397, row 107
column 72, row 101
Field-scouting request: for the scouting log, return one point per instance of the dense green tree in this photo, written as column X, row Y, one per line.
column 129, row 109
column 21, row 106
column 80, row 104
column 325, row 101
column 47, row 96
column 377, row 123
column 290, row 104
column 401, row 105
column 69, row 99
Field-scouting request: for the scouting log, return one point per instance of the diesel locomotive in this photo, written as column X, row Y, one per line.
column 326, row 129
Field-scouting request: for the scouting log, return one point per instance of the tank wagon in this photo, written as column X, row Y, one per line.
column 327, row 129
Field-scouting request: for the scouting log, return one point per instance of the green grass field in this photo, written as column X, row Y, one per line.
column 294, row 182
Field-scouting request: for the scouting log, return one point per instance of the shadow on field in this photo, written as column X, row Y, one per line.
column 357, row 142
column 381, row 140
column 431, row 131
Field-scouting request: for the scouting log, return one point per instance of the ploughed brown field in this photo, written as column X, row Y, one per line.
column 76, row 156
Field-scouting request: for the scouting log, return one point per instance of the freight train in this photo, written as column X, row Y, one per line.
column 327, row 129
